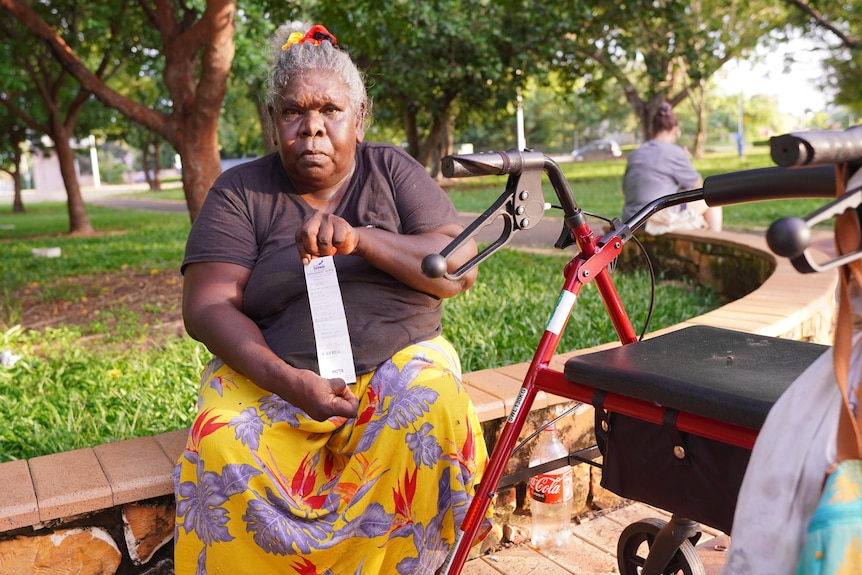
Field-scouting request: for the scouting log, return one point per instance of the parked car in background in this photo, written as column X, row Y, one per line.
column 598, row 150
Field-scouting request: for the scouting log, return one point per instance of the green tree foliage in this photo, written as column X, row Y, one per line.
column 847, row 80
column 244, row 126
column 435, row 67
column 431, row 62
column 556, row 120
column 43, row 96
column 839, row 25
column 195, row 41
column 663, row 51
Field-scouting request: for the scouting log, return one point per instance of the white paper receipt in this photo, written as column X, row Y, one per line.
column 334, row 354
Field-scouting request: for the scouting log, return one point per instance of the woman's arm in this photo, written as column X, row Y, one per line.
column 399, row 255
column 212, row 312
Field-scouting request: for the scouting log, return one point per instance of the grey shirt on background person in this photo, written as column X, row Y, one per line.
column 654, row 170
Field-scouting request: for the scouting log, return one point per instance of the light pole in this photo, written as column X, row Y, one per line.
column 522, row 138
column 94, row 161
column 739, row 128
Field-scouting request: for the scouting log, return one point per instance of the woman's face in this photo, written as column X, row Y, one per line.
column 316, row 131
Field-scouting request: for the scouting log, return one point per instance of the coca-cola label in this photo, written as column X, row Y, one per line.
column 551, row 487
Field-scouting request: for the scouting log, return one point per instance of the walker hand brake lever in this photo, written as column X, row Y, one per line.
column 791, row 237
column 520, row 207
column 434, row 265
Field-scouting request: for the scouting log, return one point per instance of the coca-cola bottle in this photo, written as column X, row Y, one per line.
column 550, row 493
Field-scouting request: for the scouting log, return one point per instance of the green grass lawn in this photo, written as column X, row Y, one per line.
column 84, row 384
column 66, row 393
column 126, row 238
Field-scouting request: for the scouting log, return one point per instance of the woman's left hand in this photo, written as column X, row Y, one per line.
column 324, row 234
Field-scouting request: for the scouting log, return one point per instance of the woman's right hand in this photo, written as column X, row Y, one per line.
column 321, row 398
column 212, row 309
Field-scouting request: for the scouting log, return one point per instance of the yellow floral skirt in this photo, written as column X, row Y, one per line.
column 262, row 489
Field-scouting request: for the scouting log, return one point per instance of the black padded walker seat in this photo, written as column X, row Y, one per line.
column 725, row 375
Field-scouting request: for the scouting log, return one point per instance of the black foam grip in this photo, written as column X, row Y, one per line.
column 817, row 147
column 769, row 184
column 490, row 163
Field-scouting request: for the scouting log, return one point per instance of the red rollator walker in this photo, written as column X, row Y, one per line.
column 676, row 414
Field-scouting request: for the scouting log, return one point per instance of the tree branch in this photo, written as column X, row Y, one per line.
column 75, row 66
column 819, row 19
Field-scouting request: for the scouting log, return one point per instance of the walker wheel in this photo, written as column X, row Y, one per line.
column 635, row 543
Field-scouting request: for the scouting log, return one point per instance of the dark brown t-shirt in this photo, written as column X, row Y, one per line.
column 250, row 216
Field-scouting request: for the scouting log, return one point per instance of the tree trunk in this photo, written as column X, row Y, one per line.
column 17, row 201
column 145, row 163
column 79, row 221
column 698, row 97
column 433, row 141
column 639, row 110
column 267, row 132
column 411, row 130
column 17, row 139
column 644, row 111
column 150, row 163
column 201, row 166
column 449, row 137
column 444, row 148
column 156, row 183
column 206, row 57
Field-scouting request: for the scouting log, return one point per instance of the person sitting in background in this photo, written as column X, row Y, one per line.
column 289, row 468
column 660, row 167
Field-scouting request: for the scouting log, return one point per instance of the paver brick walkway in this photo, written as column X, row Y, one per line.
column 593, row 550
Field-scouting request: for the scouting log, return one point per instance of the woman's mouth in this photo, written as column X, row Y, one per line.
column 313, row 155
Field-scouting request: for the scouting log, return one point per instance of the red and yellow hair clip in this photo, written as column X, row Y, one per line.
column 315, row 36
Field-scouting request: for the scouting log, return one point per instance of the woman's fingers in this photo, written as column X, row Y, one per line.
column 322, row 235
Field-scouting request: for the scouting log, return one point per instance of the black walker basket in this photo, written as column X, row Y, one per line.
column 721, row 374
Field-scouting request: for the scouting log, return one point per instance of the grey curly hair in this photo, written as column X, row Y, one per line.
column 284, row 64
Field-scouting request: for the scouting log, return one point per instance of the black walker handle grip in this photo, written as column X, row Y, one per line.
column 817, row 147
column 769, row 184
column 511, row 162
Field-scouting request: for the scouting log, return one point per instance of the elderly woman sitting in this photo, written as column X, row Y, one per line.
column 333, row 433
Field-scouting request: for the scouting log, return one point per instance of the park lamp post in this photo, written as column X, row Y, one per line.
column 740, row 129
column 519, row 116
column 90, row 141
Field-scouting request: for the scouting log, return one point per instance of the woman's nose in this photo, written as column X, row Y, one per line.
column 313, row 124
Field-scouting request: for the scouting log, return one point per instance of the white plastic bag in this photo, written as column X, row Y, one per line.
column 674, row 219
